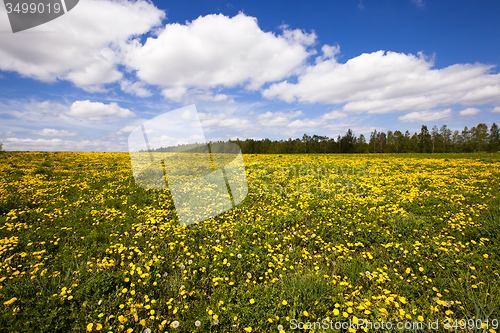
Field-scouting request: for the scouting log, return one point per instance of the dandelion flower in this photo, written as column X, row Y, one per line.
column 252, row 301
column 239, row 255
column 197, row 323
column 175, row 324
column 9, row 302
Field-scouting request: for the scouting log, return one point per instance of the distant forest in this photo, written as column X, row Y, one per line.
column 437, row 140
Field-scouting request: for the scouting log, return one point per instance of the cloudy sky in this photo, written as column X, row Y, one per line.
column 254, row 69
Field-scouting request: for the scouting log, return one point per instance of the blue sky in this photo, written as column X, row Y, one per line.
column 254, row 69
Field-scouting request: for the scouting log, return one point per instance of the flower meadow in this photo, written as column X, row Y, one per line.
column 319, row 238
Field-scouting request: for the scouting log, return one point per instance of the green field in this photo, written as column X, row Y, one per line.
column 408, row 238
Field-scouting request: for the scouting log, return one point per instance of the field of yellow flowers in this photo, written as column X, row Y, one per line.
column 320, row 242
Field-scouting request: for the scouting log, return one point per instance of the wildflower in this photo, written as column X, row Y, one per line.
column 197, row 323
column 175, row 324
column 147, row 330
column 367, row 273
column 290, row 250
column 216, row 321
column 89, row 327
column 248, row 329
column 284, row 302
column 181, row 265
column 252, row 301
column 239, row 255
column 7, row 261
column 217, row 241
column 228, row 264
column 165, row 274
column 98, row 327
column 280, row 327
column 249, row 275
column 9, row 302
column 100, row 302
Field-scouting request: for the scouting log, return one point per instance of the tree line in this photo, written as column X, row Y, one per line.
column 437, row 140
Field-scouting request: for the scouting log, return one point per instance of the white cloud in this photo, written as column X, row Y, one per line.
column 135, row 88
column 85, row 45
column 496, row 110
column 341, row 127
column 328, row 52
column 469, row 112
column 277, row 119
column 419, row 3
column 289, row 134
column 305, row 123
column 216, row 50
column 61, row 145
column 334, row 115
column 174, row 94
column 385, row 82
column 424, row 116
column 210, row 119
column 98, row 110
column 47, row 105
column 53, row 132
column 236, row 123
column 127, row 129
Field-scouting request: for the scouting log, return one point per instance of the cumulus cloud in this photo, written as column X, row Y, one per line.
column 305, row 123
column 277, row 119
column 61, row 145
column 469, row 112
column 235, row 123
column 419, row 3
column 135, row 88
column 334, row 115
column 53, row 132
column 98, row 110
column 496, row 110
column 423, row 116
column 386, row 82
column 127, row 129
column 47, row 105
column 85, row 45
column 216, row 50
